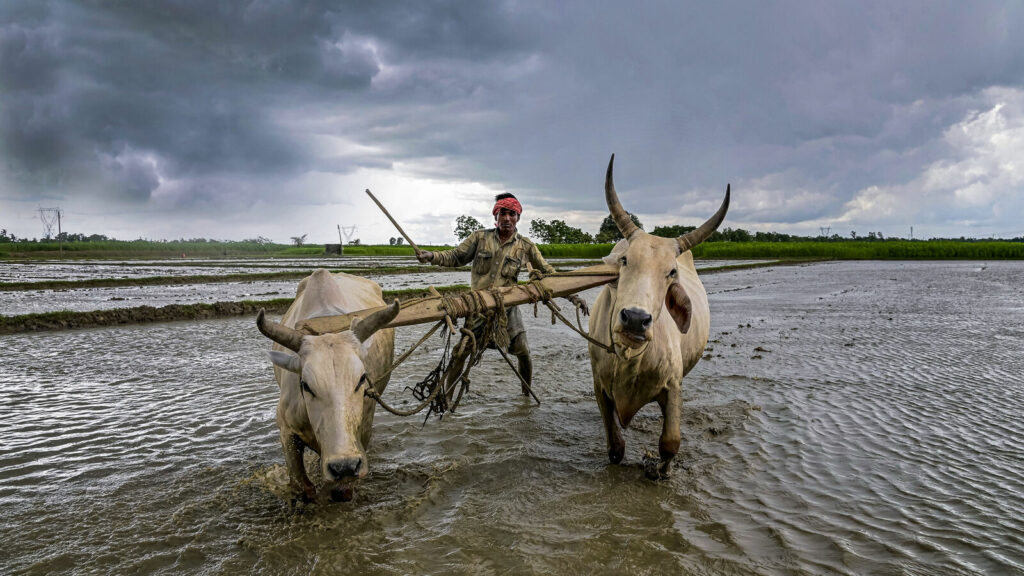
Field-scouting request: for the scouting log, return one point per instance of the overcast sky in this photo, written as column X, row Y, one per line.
column 231, row 120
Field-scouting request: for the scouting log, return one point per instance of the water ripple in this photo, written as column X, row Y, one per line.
column 851, row 418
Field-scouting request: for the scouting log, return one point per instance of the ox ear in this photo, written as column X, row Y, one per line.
column 678, row 303
column 288, row 361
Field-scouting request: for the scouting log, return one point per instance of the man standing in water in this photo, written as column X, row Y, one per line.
column 498, row 256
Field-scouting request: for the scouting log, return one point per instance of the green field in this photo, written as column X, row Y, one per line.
column 857, row 250
column 831, row 250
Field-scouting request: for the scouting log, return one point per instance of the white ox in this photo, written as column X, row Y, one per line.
column 322, row 405
column 657, row 319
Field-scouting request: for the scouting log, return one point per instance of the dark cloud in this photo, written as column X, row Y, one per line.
column 190, row 104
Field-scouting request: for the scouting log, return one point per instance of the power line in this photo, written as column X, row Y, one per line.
column 49, row 217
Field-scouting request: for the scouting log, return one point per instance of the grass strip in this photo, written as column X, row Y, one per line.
column 856, row 250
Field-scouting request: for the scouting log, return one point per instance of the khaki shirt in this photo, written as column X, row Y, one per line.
column 494, row 264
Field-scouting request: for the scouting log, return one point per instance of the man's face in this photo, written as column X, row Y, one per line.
column 506, row 221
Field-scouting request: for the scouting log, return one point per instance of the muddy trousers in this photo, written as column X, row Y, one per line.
column 520, row 348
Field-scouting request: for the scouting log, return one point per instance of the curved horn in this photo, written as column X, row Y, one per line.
column 691, row 239
column 283, row 335
column 619, row 214
column 365, row 327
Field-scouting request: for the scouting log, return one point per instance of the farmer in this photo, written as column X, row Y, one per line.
column 498, row 256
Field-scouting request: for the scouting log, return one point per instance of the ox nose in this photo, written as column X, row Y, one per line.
column 635, row 321
column 345, row 467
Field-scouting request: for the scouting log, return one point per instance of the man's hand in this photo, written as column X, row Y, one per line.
column 425, row 256
column 579, row 303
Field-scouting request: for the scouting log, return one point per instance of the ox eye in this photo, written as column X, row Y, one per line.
column 622, row 260
column 673, row 273
column 306, row 389
column 364, row 379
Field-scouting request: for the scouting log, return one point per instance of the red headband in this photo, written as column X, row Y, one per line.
column 509, row 203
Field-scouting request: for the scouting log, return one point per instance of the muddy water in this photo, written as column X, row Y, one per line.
column 867, row 421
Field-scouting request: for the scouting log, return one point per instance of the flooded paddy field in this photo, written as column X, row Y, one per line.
column 43, row 270
column 47, row 270
column 86, row 299
column 16, row 302
column 849, row 418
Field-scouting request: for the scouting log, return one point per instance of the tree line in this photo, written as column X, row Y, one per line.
column 6, row 237
column 559, row 232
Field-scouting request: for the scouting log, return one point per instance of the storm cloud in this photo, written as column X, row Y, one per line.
column 236, row 119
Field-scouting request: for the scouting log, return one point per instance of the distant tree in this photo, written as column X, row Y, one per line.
column 354, row 242
column 4, row 237
column 466, row 225
column 261, row 241
column 391, row 241
column 774, row 237
column 609, row 232
column 672, row 231
column 540, row 229
column 299, row 240
column 398, row 241
column 853, row 234
column 558, row 232
column 731, row 235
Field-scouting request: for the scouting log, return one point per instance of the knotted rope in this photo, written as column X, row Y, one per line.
column 494, row 322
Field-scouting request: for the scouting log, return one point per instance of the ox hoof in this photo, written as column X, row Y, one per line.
column 655, row 468
column 615, row 454
column 341, row 493
column 304, row 493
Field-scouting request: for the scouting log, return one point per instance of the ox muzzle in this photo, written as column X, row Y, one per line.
column 634, row 323
column 344, row 468
column 340, row 473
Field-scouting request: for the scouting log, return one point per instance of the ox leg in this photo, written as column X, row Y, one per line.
column 298, row 480
column 612, row 432
column 668, row 445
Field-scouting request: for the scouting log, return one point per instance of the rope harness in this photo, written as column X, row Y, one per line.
column 439, row 392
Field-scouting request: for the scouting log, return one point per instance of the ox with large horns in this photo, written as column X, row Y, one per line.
column 656, row 318
column 322, row 405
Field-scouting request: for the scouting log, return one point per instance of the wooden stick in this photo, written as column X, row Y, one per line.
column 522, row 380
column 428, row 309
column 388, row 214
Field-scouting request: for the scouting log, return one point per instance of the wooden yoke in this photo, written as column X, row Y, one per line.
column 429, row 309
